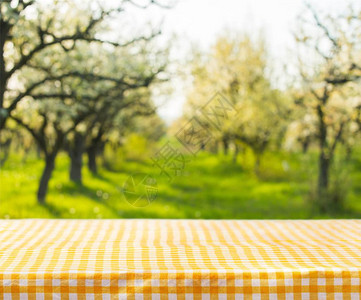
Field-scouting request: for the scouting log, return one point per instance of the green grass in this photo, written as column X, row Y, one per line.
column 211, row 187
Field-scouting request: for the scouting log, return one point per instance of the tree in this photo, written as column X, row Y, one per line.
column 132, row 92
column 49, row 122
column 332, row 46
column 264, row 113
column 80, row 100
column 237, row 67
column 28, row 28
column 117, row 120
column 46, row 65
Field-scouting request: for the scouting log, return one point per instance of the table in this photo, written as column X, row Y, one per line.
column 180, row 259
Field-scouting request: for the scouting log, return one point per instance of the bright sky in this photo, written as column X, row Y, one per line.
column 201, row 21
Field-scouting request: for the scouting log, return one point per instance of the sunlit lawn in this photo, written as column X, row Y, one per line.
column 211, row 187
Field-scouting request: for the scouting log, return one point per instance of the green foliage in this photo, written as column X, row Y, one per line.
column 213, row 187
column 340, row 187
column 136, row 147
column 71, row 90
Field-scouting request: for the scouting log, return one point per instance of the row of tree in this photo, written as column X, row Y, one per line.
column 321, row 106
column 69, row 88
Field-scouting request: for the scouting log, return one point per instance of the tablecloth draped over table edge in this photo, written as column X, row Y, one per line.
column 180, row 259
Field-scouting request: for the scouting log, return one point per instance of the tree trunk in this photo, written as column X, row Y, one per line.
column 100, row 148
column 214, row 147
column 257, row 164
column 26, row 154
column 92, row 164
column 305, row 145
column 76, row 158
column 4, row 152
column 235, row 154
column 225, row 145
column 348, row 152
column 38, row 151
column 45, row 177
column 324, row 160
column 323, row 174
column 4, row 31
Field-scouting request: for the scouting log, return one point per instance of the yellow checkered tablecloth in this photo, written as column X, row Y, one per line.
column 180, row 259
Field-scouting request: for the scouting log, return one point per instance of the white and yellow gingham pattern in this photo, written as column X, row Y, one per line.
column 180, row 259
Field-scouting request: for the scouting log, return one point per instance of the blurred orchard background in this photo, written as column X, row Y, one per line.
column 92, row 92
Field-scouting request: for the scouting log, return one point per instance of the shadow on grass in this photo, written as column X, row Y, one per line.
column 91, row 193
column 348, row 212
column 128, row 166
column 53, row 210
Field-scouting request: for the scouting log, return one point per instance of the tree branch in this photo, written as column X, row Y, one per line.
column 37, row 137
column 322, row 26
column 77, row 36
